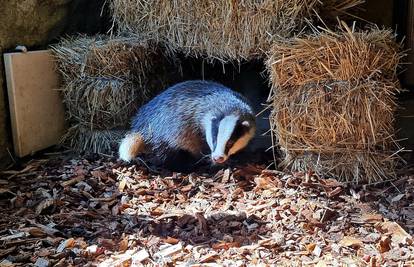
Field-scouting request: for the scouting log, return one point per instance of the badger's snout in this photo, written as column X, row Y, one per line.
column 219, row 159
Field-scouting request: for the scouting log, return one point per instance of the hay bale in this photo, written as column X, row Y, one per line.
column 101, row 103
column 333, row 102
column 331, row 10
column 105, row 80
column 101, row 56
column 224, row 30
column 81, row 138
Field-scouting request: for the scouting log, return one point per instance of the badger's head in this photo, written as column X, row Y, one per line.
column 228, row 134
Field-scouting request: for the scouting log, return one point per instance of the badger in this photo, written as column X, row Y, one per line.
column 194, row 117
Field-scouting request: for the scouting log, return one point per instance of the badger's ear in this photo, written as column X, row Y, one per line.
column 246, row 123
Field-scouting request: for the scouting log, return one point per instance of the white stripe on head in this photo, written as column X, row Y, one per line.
column 207, row 124
column 226, row 128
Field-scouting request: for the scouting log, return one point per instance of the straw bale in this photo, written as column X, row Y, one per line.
column 105, row 80
column 101, row 103
column 222, row 29
column 331, row 10
column 333, row 101
column 103, row 56
column 82, row 138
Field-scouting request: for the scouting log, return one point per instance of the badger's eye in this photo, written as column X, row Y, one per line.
column 229, row 144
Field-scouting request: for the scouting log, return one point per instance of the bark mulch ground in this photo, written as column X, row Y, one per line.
column 71, row 211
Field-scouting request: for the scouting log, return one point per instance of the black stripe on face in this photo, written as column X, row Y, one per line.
column 238, row 132
column 214, row 131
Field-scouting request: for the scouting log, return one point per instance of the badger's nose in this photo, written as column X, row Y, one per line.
column 219, row 159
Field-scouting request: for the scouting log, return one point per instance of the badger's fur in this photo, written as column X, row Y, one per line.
column 191, row 116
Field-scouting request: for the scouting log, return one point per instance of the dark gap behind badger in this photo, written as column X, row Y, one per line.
column 248, row 79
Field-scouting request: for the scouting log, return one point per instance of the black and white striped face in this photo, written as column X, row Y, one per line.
column 227, row 135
